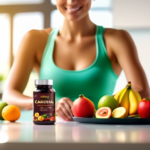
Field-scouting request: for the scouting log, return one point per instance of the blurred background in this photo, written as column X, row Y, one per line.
column 19, row 16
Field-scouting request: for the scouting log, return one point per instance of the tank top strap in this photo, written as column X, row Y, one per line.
column 103, row 59
column 54, row 32
column 53, row 35
column 100, row 30
column 100, row 41
column 50, row 44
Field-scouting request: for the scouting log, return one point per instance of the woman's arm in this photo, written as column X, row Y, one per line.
column 126, row 54
column 20, row 71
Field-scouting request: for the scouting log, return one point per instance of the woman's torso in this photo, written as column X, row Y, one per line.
column 74, row 66
column 88, row 59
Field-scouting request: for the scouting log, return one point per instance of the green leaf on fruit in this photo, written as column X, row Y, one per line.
column 44, row 116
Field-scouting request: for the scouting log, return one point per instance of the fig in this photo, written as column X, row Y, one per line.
column 103, row 112
column 83, row 107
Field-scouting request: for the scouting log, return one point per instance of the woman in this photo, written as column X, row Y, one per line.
column 80, row 57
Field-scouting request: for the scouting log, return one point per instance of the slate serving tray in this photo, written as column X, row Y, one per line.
column 113, row 120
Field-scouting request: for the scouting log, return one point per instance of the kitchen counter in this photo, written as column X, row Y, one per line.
column 23, row 135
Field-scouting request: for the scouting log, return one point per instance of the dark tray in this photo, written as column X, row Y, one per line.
column 113, row 120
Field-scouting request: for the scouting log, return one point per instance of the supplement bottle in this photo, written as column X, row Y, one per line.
column 44, row 103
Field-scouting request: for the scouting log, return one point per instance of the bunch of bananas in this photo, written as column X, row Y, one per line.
column 129, row 99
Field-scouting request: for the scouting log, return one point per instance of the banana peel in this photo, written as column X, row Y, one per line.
column 129, row 99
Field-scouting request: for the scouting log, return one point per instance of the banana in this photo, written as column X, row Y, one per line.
column 122, row 95
column 124, row 91
column 117, row 95
column 124, row 102
column 138, row 96
column 129, row 99
column 133, row 103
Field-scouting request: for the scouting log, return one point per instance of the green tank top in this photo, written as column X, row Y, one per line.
column 95, row 81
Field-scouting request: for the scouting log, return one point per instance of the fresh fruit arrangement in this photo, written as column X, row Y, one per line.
column 9, row 112
column 126, row 103
column 43, row 117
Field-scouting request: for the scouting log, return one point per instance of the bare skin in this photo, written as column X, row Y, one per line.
column 74, row 50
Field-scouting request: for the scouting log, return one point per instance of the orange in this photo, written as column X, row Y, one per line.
column 11, row 113
column 40, row 118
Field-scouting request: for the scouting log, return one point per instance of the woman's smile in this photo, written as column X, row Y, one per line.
column 73, row 9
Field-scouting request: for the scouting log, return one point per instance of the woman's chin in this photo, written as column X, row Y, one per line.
column 73, row 19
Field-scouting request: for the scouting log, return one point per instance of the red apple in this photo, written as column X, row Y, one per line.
column 144, row 108
column 52, row 118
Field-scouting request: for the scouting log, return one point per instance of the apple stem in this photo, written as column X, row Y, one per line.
column 81, row 95
column 147, row 99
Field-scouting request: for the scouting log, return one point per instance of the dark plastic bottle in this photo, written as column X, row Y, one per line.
column 44, row 103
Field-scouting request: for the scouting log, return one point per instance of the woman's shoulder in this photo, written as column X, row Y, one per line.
column 115, row 33
column 115, row 36
column 36, row 39
column 118, row 38
column 36, row 34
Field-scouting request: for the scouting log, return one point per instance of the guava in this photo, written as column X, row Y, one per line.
column 103, row 112
column 108, row 101
column 2, row 105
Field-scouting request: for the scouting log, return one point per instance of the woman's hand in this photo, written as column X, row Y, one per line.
column 63, row 109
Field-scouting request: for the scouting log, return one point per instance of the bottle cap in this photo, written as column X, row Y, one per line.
column 43, row 82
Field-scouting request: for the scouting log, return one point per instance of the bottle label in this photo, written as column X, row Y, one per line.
column 44, row 107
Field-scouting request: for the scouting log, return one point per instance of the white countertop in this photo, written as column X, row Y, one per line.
column 73, row 135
